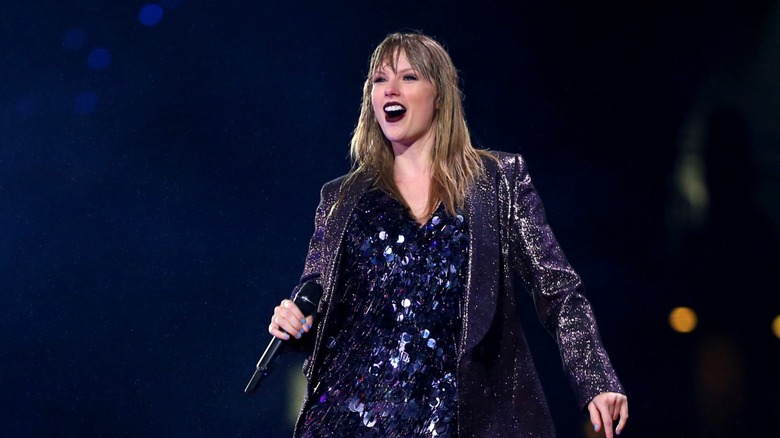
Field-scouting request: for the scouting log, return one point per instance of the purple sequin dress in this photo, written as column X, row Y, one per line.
column 389, row 359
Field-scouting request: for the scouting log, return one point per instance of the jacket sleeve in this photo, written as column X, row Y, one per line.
column 316, row 257
column 555, row 287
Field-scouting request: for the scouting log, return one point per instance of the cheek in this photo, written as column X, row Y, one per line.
column 431, row 109
column 427, row 100
column 376, row 100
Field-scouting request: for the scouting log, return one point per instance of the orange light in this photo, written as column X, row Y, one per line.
column 683, row 319
column 776, row 326
column 587, row 429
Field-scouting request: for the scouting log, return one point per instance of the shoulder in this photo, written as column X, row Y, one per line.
column 505, row 165
column 334, row 188
column 331, row 191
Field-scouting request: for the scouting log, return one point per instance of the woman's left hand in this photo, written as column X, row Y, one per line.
column 606, row 408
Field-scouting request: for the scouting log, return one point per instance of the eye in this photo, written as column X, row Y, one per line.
column 410, row 77
column 378, row 79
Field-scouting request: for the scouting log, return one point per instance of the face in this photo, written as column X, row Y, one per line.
column 404, row 103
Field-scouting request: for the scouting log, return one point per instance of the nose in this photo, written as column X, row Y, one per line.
column 391, row 88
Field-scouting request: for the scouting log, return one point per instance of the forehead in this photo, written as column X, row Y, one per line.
column 394, row 60
column 399, row 59
column 395, row 63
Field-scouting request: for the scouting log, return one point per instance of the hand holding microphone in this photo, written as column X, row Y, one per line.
column 290, row 318
column 289, row 321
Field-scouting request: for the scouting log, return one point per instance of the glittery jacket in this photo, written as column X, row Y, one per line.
column 499, row 392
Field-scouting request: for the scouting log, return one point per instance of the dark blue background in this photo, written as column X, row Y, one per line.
column 156, row 204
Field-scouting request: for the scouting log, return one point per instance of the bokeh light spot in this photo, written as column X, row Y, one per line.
column 683, row 319
column 296, row 382
column 73, row 40
column 776, row 326
column 150, row 14
column 85, row 103
column 99, row 59
column 587, row 429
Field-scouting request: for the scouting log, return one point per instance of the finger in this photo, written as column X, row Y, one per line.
column 274, row 330
column 623, row 415
column 595, row 418
column 289, row 311
column 605, row 406
column 607, row 431
column 295, row 316
column 289, row 324
column 289, row 305
column 606, row 419
column 615, row 407
column 309, row 323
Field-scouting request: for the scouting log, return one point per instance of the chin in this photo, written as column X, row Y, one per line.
column 395, row 138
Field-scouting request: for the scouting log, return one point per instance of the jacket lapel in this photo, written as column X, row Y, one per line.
column 338, row 219
column 484, row 250
column 484, row 258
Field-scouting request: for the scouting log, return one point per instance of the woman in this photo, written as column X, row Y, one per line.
column 416, row 250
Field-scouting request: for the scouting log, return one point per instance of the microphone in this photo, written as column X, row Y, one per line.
column 306, row 299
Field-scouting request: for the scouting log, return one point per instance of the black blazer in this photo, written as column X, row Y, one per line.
column 499, row 391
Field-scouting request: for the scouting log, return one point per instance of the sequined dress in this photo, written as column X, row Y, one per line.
column 389, row 360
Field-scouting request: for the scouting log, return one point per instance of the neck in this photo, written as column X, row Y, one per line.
column 412, row 162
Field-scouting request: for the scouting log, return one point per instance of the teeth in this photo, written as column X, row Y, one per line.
column 394, row 108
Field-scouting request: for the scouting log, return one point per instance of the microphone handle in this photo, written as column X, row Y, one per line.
column 262, row 365
column 306, row 299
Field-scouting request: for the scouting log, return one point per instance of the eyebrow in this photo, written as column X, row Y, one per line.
column 406, row 70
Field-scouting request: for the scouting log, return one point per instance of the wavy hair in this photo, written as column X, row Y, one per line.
column 455, row 163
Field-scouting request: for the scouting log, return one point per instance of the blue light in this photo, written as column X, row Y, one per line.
column 73, row 40
column 150, row 14
column 99, row 59
column 85, row 103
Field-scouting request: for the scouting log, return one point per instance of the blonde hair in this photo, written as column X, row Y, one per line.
column 455, row 163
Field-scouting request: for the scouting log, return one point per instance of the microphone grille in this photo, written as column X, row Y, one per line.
column 308, row 297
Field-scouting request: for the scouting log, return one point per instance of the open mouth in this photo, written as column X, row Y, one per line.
column 394, row 110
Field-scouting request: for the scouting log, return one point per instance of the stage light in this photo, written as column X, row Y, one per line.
column 99, row 59
column 683, row 319
column 150, row 14
column 73, row 40
column 85, row 103
column 587, row 429
column 776, row 326
column 296, row 385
